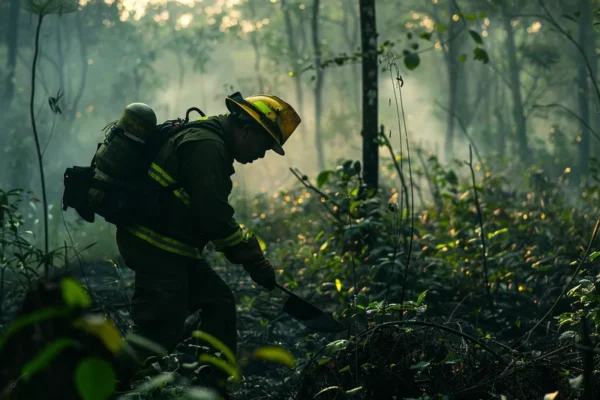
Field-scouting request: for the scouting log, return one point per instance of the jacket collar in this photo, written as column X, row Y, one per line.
column 227, row 130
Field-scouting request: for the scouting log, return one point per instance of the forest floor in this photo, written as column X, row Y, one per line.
column 492, row 296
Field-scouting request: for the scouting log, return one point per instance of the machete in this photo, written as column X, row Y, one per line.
column 309, row 315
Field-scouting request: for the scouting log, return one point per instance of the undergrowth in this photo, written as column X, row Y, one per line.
column 467, row 324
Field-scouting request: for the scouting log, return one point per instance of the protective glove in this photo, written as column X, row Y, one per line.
column 263, row 274
column 249, row 254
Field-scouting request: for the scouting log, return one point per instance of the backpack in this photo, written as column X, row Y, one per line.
column 90, row 191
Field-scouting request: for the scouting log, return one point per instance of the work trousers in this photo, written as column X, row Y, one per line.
column 169, row 287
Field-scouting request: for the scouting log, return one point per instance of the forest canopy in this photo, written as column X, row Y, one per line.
column 439, row 199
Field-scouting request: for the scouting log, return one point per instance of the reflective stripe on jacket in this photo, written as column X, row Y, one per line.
column 183, row 231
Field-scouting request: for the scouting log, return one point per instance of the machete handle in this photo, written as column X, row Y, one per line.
column 280, row 286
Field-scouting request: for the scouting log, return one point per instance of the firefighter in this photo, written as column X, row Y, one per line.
column 171, row 278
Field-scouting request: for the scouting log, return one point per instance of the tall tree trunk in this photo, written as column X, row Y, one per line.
column 84, row 63
column 351, row 31
column 256, row 48
column 452, row 67
column 515, row 88
column 500, row 118
column 294, row 58
column 318, row 85
column 368, row 30
column 12, row 36
column 583, row 92
column 594, row 102
column 60, row 56
column 488, row 92
column 464, row 109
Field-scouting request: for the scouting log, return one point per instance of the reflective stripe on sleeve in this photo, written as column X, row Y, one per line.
column 231, row 240
column 164, row 242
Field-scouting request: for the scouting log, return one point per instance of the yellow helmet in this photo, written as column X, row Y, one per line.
column 275, row 115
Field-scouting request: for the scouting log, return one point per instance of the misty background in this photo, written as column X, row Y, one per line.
column 173, row 55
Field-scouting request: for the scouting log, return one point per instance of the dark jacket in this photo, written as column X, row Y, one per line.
column 200, row 158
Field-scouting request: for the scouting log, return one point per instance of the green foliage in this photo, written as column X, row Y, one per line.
column 230, row 365
column 476, row 37
column 216, row 344
column 275, row 354
column 411, row 60
column 44, row 7
column 95, row 379
column 481, row 55
column 74, row 294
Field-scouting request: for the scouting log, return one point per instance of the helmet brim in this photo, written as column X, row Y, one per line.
column 233, row 106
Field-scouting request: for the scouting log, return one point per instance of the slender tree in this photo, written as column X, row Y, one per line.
column 257, row 56
column 515, row 85
column 451, row 55
column 12, row 35
column 42, row 9
column 583, row 92
column 318, row 85
column 368, row 30
column 351, row 30
column 294, row 55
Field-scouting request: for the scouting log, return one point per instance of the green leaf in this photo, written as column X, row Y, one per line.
column 338, row 285
column 576, row 382
column 345, row 369
column 336, row 346
column 199, row 394
column 103, row 329
column 421, row 365
column 425, row 36
column 74, row 294
column 568, row 335
column 471, row 17
column 354, row 391
column 440, row 27
column 594, row 255
column 482, row 15
column 45, row 357
column 231, row 370
column 329, row 389
column 452, row 358
column 146, row 344
column 45, row 7
column 412, row 61
column 421, row 298
column 481, row 55
column 498, row 232
column 323, row 361
column 462, row 58
column 323, row 177
column 275, row 354
column 216, row 343
column 476, row 37
column 95, row 379
column 362, row 299
column 452, row 178
column 551, row 396
column 155, row 382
